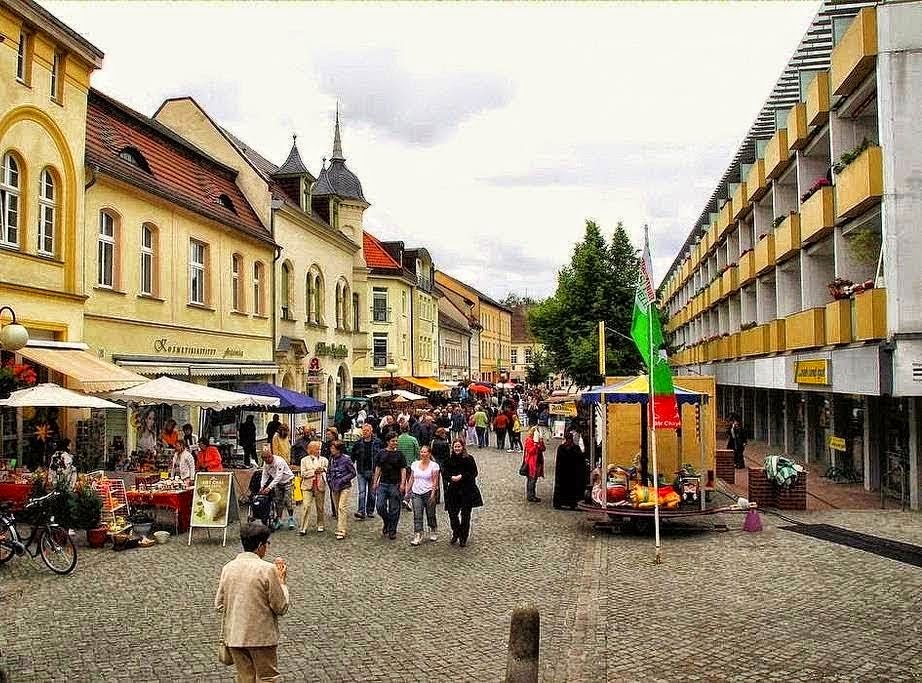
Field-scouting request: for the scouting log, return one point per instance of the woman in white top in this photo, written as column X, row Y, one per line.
column 183, row 464
column 424, row 482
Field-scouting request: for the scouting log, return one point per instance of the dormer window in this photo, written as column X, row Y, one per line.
column 226, row 202
column 133, row 156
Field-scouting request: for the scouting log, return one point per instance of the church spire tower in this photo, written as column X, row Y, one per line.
column 337, row 140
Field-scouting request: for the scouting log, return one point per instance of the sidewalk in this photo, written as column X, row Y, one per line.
column 822, row 494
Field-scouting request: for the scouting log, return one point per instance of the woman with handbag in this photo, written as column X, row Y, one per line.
column 461, row 492
column 533, row 463
column 342, row 472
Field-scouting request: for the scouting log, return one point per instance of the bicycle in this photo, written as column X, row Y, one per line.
column 46, row 538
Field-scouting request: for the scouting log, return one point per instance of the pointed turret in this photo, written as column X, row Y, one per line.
column 337, row 141
column 336, row 179
column 293, row 164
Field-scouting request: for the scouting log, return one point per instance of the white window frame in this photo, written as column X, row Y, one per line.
column 10, row 201
column 285, row 291
column 46, row 213
column 379, row 294
column 106, row 245
column 146, row 265
column 56, row 62
column 197, row 289
column 22, row 55
column 257, row 288
column 375, row 355
column 514, row 357
column 235, row 282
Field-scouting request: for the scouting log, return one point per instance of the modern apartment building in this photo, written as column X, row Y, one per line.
column 798, row 286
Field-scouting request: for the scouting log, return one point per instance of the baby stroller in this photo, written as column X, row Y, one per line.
column 260, row 506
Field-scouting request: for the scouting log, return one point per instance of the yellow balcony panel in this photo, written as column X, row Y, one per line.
column 733, row 346
column 855, row 55
column 806, row 330
column 860, row 184
column 777, row 154
column 756, row 185
column 797, row 126
column 728, row 281
column 839, row 322
column 696, row 254
column 712, row 349
column 817, row 215
column 787, row 237
column 714, row 291
column 871, row 314
column 818, row 99
column 776, row 336
column 754, row 341
column 740, row 205
column 725, row 218
column 746, row 272
column 765, row 254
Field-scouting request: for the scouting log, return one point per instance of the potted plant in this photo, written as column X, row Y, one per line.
column 15, row 376
column 86, row 513
column 817, row 185
column 848, row 157
column 142, row 521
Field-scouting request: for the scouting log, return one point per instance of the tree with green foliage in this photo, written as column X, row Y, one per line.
column 598, row 284
column 540, row 368
column 513, row 300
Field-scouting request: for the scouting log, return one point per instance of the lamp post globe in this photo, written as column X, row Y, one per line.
column 13, row 336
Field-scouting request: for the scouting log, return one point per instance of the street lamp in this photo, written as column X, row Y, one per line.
column 391, row 368
column 13, row 336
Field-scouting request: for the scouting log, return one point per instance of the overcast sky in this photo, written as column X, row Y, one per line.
column 485, row 132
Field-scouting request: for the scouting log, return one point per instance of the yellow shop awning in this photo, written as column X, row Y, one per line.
column 428, row 383
column 92, row 374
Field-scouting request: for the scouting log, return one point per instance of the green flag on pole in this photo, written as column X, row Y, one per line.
column 648, row 337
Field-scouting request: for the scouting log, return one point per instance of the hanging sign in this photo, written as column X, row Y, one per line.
column 813, row 371
column 837, row 443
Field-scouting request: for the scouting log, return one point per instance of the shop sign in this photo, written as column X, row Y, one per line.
column 564, row 409
column 165, row 346
column 837, row 443
column 211, row 499
column 331, row 350
column 814, row 371
column 314, row 374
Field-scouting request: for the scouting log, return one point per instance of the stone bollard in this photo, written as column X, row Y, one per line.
column 524, row 635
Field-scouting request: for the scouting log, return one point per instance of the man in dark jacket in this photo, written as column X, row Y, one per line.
column 247, row 439
column 737, row 442
column 364, row 455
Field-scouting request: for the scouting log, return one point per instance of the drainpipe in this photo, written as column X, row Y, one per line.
column 412, row 336
column 274, row 205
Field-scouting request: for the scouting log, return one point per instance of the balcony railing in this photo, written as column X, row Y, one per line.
column 380, row 314
column 860, row 184
column 740, row 205
column 776, row 336
column 725, row 218
column 806, row 330
column 714, row 291
column 839, row 321
column 777, row 154
column 755, row 181
column 765, row 254
column 755, row 341
column 856, row 54
column 746, row 270
column 817, row 216
column 787, row 237
column 728, row 281
column 818, row 99
column 797, row 126
column 379, row 360
column 871, row 314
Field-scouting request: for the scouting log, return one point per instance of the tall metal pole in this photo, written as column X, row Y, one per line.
column 658, row 558
column 603, row 468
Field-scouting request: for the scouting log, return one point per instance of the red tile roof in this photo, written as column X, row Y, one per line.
column 375, row 254
column 179, row 172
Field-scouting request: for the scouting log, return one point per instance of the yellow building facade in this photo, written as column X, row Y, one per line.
column 178, row 276
column 44, row 78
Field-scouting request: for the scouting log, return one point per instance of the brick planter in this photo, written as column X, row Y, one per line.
column 767, row 494
column 726, row 470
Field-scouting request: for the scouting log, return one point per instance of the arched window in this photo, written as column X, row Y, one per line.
column 9, row 201
column 107, row 250
column 285, row 291
column 47, row 204
column 314, row 295
column 149, row 257
column 309, row 297
column 258, row 288
column 318, row 299
column 237, row 283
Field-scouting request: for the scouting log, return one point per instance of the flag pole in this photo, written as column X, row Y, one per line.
column 651, row 439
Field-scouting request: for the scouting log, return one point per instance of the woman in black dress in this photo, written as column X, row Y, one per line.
column 441, row 448
column 461, row 492
column 569, row 474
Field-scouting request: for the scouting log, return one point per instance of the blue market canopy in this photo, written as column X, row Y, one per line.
column 636, row 390
column 289, row 401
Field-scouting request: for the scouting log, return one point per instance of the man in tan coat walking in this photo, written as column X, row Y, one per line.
column 252, row 596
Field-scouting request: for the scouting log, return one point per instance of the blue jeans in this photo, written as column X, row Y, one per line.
column 424, row 502
column 481, row 436
column 531, row 486
column 389, row 506
column 365, row 503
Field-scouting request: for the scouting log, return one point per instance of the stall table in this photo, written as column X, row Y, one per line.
column 180, row 502
column 17, row 494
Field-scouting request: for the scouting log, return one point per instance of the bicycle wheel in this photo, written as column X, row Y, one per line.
column 58, row 550
column 6, row 552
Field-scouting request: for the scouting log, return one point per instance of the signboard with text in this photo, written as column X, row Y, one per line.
column 813, row 371
column 837, row 443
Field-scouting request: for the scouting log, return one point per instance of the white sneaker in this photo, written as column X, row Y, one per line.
column 416, row 539
column 319, row 529
column 433, row 537
column 509, row 450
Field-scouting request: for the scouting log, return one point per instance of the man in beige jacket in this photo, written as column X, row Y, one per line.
column 252, row 595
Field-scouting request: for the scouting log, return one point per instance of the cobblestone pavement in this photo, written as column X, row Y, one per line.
column 723, row 606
